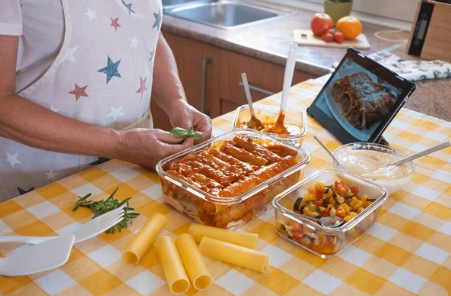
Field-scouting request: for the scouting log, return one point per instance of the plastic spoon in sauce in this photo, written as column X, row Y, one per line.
column 254, row 122
column 328, row 152
column 279, row 128
column 419, row 154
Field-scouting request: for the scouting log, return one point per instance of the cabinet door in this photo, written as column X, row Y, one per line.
column 190, row 57
column 265, row 77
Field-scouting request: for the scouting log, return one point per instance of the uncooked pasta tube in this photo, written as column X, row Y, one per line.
column 144, row 239
column 247, row 240
column 193, row 262
column 172, row 265
column 234, row 254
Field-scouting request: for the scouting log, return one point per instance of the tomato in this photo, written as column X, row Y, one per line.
column 340, row 212
column 326, row 211
column 297, row 236
column 311, row 190
column 327, row 37
column 318, row 203
column 295, row 226
column 321, row 22
column 341, row 189
column 339, row 37
column 355, row 190
column 320, row 193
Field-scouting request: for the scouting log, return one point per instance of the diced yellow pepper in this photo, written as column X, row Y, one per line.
column 364, row 198
column 347, row 218
column 319, row 186
column 353, row 214
column 355, row 203
column 345, row 207
column 332, row 201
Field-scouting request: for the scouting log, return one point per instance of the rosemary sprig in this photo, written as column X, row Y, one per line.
column 104, row 206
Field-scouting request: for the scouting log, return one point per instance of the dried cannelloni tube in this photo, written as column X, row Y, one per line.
column 172, row 265
column 193, row 262
column 144, row 239
column 247, row 240
column 234, row 254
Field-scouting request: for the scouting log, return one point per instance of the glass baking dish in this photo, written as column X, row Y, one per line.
column 322, row 240
column 227, row 212
column 295, row 121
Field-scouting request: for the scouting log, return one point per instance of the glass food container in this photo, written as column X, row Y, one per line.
column 307, row 233
column 392, row 184
column 232, row 211
column 295, row 121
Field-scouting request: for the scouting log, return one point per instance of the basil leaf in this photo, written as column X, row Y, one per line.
column 190, row 131
column 197, row 135
column 179, row 132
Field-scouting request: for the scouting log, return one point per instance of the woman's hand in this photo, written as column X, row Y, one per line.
column 147, row 147
column 184, row 115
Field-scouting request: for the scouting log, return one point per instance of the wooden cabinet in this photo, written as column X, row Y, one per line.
column 220, row 70
column 264, row 78
column 195, row 61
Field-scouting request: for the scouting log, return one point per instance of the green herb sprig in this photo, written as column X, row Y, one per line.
column 182, row 133
column 104, row 206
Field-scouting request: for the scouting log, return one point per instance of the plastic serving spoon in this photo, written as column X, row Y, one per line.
column 41, row 257
column 254, row 122
column 328, row 152
column 279, row 128
column 419, row 154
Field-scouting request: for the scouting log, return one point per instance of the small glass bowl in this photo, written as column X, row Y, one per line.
column 392, row 184
column 269, row 114
column 334, row 239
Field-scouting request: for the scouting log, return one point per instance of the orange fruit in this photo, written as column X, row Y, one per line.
column 350, row 26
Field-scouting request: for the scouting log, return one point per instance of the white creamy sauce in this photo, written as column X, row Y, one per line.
column 371, row 164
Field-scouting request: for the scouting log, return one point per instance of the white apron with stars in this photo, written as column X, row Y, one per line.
column 101, row 76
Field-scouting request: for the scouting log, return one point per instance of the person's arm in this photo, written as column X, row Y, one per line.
column 168, row 91
column 31, row 124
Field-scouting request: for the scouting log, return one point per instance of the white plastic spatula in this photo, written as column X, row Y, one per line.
column 279, row 127
column 288, row 76
column 41, row 257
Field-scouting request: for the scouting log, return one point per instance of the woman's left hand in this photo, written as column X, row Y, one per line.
column 184, row 115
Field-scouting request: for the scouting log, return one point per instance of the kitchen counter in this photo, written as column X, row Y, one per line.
column 407, row 251
column 269, row 41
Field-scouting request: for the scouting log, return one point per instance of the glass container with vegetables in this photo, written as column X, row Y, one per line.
column 330, row 194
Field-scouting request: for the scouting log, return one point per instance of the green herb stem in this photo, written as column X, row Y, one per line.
column 104, row 206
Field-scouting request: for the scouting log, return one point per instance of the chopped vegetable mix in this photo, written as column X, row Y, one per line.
column 323, row 200
column 332, row 200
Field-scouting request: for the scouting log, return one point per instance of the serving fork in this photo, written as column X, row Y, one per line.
column 82, row 233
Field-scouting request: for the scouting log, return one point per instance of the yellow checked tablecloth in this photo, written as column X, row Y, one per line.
column 406, row 252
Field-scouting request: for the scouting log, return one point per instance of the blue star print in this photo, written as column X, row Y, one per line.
column 111, row 70
column 151, row 55
column 157, row 20
column 128, row 6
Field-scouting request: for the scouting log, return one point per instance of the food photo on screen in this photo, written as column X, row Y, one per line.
column 357, row 99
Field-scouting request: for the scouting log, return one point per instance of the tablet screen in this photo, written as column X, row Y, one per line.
column 359, row 100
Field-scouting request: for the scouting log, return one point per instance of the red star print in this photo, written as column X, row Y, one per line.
column 142, row 88
column 79, row 91
column 115, row 23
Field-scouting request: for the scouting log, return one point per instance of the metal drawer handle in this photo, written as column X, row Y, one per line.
column 205, row 62
column 260, row 90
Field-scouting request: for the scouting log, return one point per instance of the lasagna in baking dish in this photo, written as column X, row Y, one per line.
column 361, row 100
column 225, row 172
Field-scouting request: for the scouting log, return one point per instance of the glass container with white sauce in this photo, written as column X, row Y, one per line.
column 369, row 161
